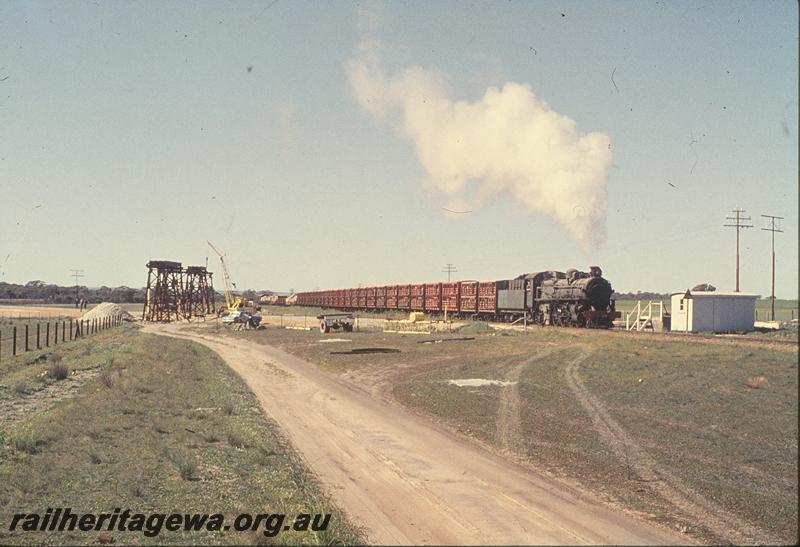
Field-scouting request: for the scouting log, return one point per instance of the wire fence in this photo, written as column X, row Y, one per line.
column 23, row 335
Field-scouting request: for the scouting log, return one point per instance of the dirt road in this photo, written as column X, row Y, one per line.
column 403, row 478
column 38, row 312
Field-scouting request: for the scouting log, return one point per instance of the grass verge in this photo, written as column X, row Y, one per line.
column 164, row 426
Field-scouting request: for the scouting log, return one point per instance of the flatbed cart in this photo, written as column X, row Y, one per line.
column 335, row 321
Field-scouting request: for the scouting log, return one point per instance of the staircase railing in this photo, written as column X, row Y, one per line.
column 642, row 316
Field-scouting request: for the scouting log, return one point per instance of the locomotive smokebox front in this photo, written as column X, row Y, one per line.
column 598, row 293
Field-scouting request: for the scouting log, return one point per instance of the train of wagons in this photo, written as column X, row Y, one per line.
column 569, row 299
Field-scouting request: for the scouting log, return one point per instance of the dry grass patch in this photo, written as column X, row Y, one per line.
column 136, row 442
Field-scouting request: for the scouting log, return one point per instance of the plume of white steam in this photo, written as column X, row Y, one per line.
column 508, row 141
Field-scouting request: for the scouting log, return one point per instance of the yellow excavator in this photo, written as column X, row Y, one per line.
column 236, row 310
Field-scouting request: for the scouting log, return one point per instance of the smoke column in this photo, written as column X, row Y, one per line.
column 508, row 141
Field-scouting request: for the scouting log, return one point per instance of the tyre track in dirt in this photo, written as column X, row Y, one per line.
column 655, row 476
column 508, row 422
column 407, row 480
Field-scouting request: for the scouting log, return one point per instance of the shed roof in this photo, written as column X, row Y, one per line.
column 723, row 294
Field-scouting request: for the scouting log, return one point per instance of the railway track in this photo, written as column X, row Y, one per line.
column 711, row 338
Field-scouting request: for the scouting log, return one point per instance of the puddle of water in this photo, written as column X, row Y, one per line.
column 478, row 382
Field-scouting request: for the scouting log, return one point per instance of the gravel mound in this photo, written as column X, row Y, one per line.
column 107, row 309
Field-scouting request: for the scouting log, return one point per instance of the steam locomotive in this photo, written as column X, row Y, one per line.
column 568, row 299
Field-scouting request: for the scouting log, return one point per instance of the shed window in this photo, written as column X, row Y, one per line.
column 681, row 308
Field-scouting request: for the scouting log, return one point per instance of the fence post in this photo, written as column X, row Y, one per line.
column 26, row 337
column 38, row 330
column 14, row 343
column 70, row 328
column 63, row 329
column 47, row 335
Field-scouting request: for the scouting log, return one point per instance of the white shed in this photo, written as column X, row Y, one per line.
column 712, row 311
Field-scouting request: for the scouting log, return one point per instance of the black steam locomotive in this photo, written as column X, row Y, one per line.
column 566, row 299
column 573, row 299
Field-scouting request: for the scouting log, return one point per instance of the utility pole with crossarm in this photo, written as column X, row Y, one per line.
column 738, row 219
column 448, row 269
column 772, row 228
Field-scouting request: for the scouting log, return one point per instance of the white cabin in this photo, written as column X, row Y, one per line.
column 713, row 311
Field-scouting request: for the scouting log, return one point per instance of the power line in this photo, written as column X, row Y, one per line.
column 77, row 274
column 772, row 228
column 738, row 218
column 448, row 269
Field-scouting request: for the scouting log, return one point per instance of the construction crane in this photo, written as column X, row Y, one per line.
column 238, row 311
column 229, row 301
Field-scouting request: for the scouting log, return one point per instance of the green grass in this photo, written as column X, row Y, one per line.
column 696, row 415
column 170, row 429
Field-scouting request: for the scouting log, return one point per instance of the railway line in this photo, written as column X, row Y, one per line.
column 567, row 299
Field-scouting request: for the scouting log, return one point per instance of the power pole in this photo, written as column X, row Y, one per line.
column 739, row 219
column 448, row 270
column 77, row 274
column 773, row 229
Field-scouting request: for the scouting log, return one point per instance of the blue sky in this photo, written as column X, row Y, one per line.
column 133, row 131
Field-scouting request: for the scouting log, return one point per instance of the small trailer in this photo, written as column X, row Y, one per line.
column 335, row 321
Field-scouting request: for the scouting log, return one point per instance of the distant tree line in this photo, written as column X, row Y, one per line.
column 39, row 292
column 640, row 295
column 47, row 293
